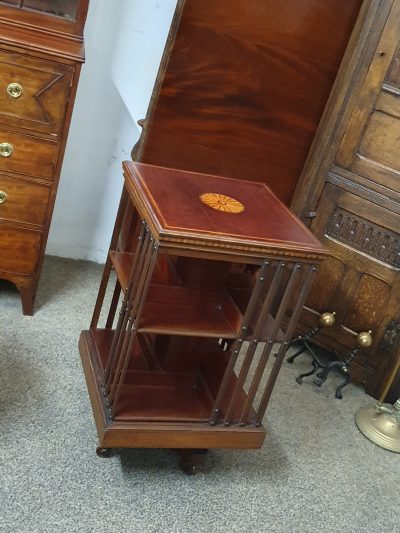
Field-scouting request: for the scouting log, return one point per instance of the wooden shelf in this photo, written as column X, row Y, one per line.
column 176, row 310
column 141, row 358
column 156, row 395
column 150, row 395
column 164, row 397
column 122, row 263
column 164, row 273
column 124, row 433
column 173, row 310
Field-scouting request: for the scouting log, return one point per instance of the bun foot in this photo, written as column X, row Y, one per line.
column 103, row 452
column 192, row 461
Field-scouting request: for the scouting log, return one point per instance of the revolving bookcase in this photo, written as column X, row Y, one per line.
column 209, row 274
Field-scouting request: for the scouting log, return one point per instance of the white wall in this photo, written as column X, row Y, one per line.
column 123, row 52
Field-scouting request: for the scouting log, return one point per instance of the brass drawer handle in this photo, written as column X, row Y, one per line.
column 3, row 197
column 6, row 149
column 15, row 90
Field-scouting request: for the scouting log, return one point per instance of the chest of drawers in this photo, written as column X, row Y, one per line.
column 41, row 53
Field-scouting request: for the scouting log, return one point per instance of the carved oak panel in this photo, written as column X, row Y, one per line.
column 368, row 302
column 365, row 236
column 360, row 279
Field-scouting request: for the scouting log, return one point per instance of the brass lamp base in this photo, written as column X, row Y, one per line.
column 380, row 423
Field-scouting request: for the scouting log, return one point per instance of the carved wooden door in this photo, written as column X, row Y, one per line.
column 360, row 281
column 357, row 217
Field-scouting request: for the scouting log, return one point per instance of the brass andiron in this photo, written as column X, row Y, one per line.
column 363, row 340
column 380, row 422
column 326, row 320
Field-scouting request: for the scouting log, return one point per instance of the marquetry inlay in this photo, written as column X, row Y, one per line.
column 362, row 235
column 221, row 202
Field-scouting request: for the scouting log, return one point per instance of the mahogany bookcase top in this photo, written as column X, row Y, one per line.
column 217, row 215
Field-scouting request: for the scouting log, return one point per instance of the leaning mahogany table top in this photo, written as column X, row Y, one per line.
column 217, row 214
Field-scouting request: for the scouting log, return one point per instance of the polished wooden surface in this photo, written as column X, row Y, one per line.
column 31, row 156
column 19, row 250
column 158, row 435
column 45, row 85
column 167, row 362
column 43, row 55
column 71, row 28
column 55, row 46
column 189, row 311
column 241, row 90
column 26, row 201
column 174, row 199
column 352, row 185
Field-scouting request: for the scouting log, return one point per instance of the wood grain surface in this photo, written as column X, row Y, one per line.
column 45, row 85
column 244, row 88
column 26, row 201
column 31, row 156
column 172, row 199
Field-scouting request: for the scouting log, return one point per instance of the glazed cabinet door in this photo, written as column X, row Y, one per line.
column 59, row 8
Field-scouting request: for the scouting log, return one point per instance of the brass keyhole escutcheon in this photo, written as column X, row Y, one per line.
column 3, row 197
column 15, row 90
column 6, row 149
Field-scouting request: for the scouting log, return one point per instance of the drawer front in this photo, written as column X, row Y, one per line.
column 33, row 92
column 19, row 250
column 28, row 155
column 21, row 201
